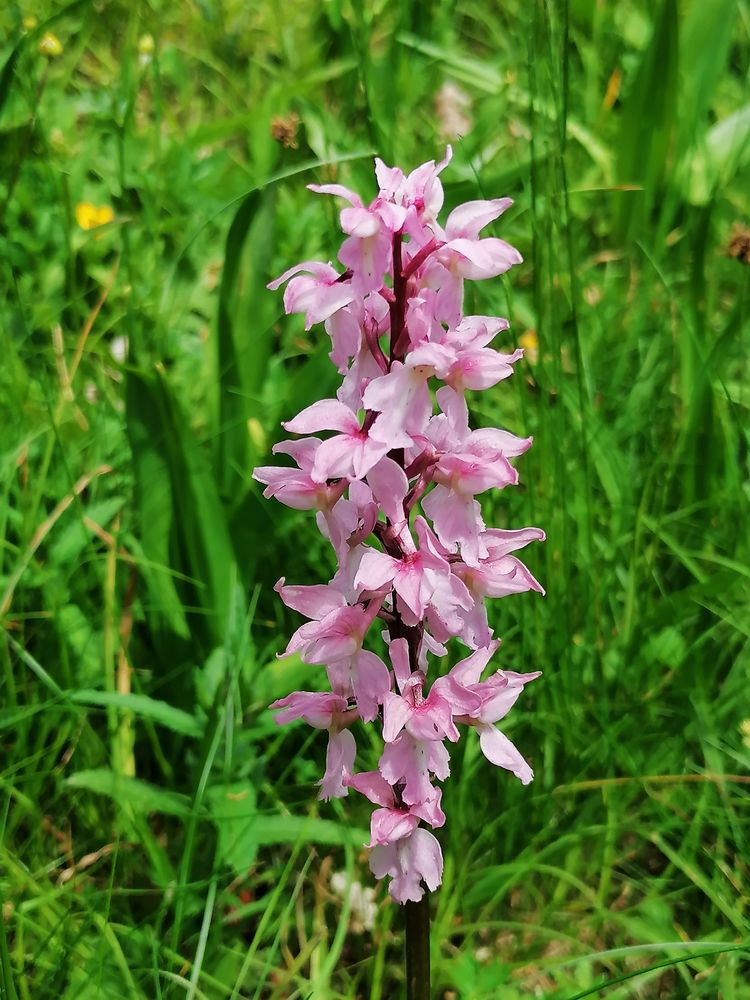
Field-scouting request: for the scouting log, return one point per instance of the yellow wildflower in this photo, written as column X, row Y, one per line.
column 29, row 23
column 90, row 216
column 257, row 435
column 50, row 46
column 146, row 45
column 529, row 341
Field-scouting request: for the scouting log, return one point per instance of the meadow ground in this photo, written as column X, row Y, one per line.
column 160, row 836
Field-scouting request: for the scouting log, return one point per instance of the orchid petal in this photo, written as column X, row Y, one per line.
column 338, row 190
column 468, row 219
column 389, row 486
column 314, row 601
column 339, row 763
column 373, row 785
column 319, row 270
column 396, row 713
column 498, row 749
column 376, row 570
column 399, row 654
column 324, row 415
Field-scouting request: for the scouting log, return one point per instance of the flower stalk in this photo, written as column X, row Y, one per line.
column 417, row 947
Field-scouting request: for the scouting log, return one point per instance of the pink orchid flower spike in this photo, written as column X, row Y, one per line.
column 396, row 477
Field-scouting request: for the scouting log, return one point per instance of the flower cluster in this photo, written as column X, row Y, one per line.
column 394, row 316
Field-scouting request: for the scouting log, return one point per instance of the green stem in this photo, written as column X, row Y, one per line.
column 417, row 948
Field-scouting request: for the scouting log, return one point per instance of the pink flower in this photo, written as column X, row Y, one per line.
column 369, row 257
column 423, row 718
column 352, row 453
column 498, row 574
column 339, row 764
column 331, row 712
column 367, row 251
column 362, row 371
column 395, row 488
column 318, row 294
column 462, row 254
column 421, row 578
column 409, row 862
column 420, row 194
column 463, row 360
column 411, row 761
column 295, row 487
column 318, row 709
column 347, row 327
column 498, row 694
column 403, row 401
column 334, row 637
column 349, row 521
column 477, row 461
column 393, row 821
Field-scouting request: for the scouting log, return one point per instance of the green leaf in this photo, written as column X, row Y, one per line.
column 668, row 963
column 154, row 507
column 180, row 495
column 73, row 539
column 256, row 309
column 233, row 811
column 141, row 796
column 648, row 121
column 8, row 72
column 292, row 829
column 246, row 310
column 83, row 641
column 706, row 39
column 725, row 149
column 147, row 708
column 242, row 830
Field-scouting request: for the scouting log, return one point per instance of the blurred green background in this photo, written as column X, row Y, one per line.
column 160, row 836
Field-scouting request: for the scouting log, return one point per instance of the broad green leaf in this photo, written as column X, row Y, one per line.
column 648, row 121
column 724, row 149
column 7, row 73
column 291, row 829
column 83, row 641
column 200, row 546
column 154, row 508
column 147, row 708
column 476, row 72
column 243, row 336
column 242, row 829
column 233, row 811
column 141, row 796
column 605, row 456
column 705, row 41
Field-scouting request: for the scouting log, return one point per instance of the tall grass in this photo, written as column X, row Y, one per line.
column 160, row 836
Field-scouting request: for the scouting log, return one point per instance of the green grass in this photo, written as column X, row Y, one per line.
column 160, row 836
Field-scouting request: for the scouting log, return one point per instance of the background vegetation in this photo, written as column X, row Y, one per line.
column 160, row 836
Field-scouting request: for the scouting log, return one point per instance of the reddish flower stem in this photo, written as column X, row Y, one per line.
column 417, row 491
column 421, row 257
column 398, row 306
column 416, row 915
column 417, row 949
column 371, row 337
